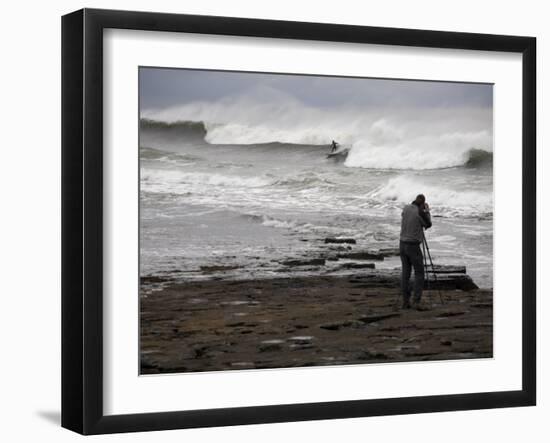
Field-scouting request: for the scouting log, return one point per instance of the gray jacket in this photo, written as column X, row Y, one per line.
column 413, row 221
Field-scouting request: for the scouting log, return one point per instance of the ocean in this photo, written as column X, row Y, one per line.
column 230, row 194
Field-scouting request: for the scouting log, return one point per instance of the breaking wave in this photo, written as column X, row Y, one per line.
column 184, row 129
column 381, row 138
column 382, row 146
column 388, row 151
column 427, row 152
column 479, row 157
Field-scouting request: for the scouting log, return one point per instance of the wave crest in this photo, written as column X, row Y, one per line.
column 183, row 129
column 423, row 152
column 479, row 157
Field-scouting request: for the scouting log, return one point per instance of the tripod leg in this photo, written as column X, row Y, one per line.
column 401, row 292
column 433, row 271
column 426, row 271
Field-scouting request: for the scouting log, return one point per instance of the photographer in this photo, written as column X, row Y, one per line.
column 414, row 219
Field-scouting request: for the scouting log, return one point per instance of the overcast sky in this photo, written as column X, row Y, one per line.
column 163, row 88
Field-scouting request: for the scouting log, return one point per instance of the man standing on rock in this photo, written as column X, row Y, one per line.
column 414, row 219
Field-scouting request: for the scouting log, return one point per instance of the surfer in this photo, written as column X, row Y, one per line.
column 414, row 219
column 335, row 146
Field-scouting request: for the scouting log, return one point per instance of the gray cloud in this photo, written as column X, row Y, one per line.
column 162, row 88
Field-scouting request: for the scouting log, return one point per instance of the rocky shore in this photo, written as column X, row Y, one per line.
column 311, row 321
column 332, row 256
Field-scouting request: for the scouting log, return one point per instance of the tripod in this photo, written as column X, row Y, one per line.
column 428, row 256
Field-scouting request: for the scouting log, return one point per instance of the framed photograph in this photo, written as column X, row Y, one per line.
column 269, row 221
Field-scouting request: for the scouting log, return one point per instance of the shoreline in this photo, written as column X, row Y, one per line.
column 339, row 257
column 299, row 321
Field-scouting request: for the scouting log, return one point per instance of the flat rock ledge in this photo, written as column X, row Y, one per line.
column 309, row 321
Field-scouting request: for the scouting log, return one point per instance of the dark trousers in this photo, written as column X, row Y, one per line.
column 411, row 257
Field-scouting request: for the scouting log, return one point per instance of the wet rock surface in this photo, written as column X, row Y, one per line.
column 340, row 240
column 213, row 269
column 364, row 255
column 307, row 321
column 305, row 262
column 357, row 266
column 440, row 281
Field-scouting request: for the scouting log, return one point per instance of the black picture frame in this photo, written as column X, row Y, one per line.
column 82, row 218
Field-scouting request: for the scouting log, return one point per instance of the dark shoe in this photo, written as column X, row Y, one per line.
column 406, row 305
column 419, row 306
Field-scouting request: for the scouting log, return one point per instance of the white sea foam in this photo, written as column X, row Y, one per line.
column 177, row 181
column 282, row 224
column 443, row 201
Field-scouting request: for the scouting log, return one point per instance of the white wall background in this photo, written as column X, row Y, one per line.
column 30, row 219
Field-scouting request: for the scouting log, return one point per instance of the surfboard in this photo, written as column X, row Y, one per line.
column 342, row 151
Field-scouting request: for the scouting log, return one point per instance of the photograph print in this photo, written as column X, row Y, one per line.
column 291, row 220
